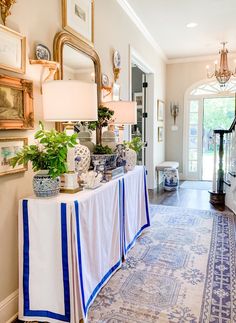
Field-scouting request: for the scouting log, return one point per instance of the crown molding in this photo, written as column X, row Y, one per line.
column 194, row 59
column 140, row 25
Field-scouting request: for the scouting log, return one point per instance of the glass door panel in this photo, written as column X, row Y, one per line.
column 193, row 139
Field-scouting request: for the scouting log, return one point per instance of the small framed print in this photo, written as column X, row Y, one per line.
column 12, row 50
column 78, row 18
column 9, row 147
column 138, row 97
column 160, row 110
column 160, row 134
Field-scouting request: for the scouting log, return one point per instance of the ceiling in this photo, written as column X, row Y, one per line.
column 166, row 21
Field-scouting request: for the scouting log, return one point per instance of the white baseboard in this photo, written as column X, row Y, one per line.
column 13, row 318
column 9, row 308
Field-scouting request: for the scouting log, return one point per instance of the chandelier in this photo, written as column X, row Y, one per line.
column 223, row 74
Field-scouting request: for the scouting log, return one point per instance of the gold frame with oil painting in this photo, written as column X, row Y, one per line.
column 8, row 149
column 16, row 103
column 78, row 19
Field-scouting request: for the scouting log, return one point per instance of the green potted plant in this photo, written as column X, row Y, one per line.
column 136, row 144
column 102, row 155
column 104, row 116
column 48, row 156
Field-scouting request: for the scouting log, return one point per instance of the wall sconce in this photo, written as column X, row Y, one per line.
column 5, row 6
column 174, row 111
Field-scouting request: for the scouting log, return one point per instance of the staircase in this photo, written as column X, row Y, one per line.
column 224, row 173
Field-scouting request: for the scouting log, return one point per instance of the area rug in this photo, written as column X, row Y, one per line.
column 182, row 269
column 197, row 185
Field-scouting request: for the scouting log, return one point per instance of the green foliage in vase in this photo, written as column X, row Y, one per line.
column 102, row 150
column 104, row 116
column 136, row 144
column 49, row 151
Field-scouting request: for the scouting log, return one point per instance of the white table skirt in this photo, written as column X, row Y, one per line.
column 69, row 246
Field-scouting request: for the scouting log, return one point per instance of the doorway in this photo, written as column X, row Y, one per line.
column 207, row 107
column 139, row 95
column 148, row 130
column 218, row 113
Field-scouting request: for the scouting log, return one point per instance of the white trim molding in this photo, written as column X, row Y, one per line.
column 140, row 25
column 193, row 59
column 9, row 308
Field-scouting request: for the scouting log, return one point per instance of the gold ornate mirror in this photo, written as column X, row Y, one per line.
column 78, row 61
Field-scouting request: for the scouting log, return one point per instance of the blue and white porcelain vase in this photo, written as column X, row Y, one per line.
column 171, row 179
column 130, row 158
column 44, row 185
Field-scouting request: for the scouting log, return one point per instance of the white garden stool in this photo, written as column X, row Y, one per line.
column 171, row 179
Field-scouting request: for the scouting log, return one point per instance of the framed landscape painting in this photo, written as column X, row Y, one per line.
column 12, row 50
column 78, row 18
column 8, row 149
column 16, row 103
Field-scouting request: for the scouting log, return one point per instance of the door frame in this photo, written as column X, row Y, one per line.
column 137, row 59
column 187, row 98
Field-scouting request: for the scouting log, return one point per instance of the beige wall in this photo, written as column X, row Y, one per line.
column 179, row 78
column 39, row 20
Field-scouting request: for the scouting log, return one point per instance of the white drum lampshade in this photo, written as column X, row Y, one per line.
column 69, row 101
column 125, row 112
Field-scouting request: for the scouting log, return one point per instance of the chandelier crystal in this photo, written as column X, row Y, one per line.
column 223, row 74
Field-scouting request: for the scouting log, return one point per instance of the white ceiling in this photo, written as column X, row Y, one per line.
column 166, row 21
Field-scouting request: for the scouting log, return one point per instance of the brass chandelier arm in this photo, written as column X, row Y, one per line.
column 5, row 6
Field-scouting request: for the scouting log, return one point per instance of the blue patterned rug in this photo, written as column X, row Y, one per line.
column 182, row 269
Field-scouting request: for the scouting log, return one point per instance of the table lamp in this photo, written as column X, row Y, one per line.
column 125, row 112
column 70, row 101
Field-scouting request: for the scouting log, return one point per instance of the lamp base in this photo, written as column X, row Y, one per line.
column 71, row 191
column 69, row 183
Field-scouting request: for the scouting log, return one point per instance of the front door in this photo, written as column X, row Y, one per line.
column 204, row 116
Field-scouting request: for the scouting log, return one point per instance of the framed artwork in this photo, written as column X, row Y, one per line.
column 78, row 18
column 160, row 134
column 12, row 50
column 8, row 149
column 16, row 103
column 116, row 92
column 138, row 97
column 160, row 110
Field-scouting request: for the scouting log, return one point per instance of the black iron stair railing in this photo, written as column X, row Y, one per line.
column 217, row 196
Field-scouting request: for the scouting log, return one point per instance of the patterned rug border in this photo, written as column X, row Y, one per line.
column 213, row 212
column 215, row 301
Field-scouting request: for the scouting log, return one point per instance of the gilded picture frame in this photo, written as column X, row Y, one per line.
column 16, row 103
column 78, row 19
column 160, row 110
column 12, row 50
column 8, row 149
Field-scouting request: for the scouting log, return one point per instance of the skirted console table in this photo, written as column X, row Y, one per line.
column 70, row 245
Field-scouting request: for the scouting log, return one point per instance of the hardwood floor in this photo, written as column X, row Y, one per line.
column 189, row 198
